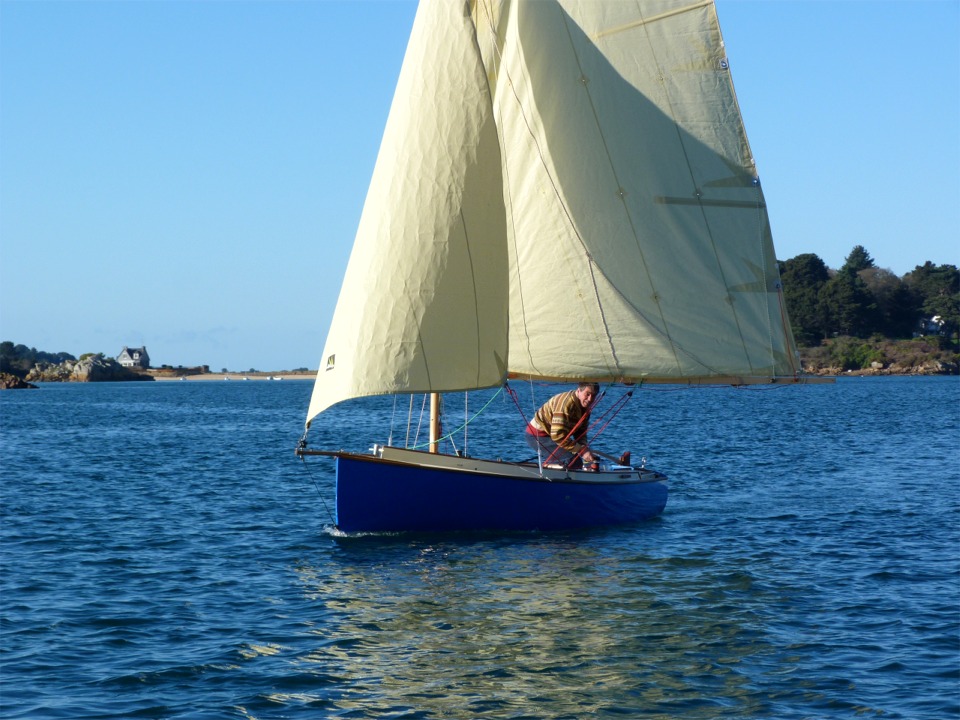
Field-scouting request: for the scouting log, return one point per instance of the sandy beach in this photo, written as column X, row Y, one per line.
column 238, row 376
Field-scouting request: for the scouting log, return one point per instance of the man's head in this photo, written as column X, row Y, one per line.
column 586, row 392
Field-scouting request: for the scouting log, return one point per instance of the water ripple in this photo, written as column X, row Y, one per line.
column 164, row 556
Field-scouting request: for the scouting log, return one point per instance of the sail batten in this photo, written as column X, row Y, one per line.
column 557, row 198
column 641, row 21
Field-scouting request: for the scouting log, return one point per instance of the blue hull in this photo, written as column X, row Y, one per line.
column 374, row 495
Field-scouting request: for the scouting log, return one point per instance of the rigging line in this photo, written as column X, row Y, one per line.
column 516, row 401
column 569, row 435
column 763, row 270
column 784, row 316
column 603, row 319
column 323, row 500
column 785, row 323
column 792, row 355
column 393, row 417
column 406, row 441
column 533, row 398
column 416, row 436
column 511, row 219
column 619, row 405
column 453, row 432
column 614, row 408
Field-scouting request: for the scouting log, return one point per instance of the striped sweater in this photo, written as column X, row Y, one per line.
column 557, row 417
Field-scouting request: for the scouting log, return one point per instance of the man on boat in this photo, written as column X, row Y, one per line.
column 558, row 430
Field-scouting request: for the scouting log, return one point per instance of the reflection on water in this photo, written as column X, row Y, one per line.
column 533, row 628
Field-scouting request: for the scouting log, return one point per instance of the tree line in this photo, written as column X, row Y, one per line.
column 861, row 300
column 19, row 359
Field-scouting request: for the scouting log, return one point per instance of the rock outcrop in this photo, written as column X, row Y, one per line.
column 927, row 368
column 92, row 368
column 51, row 372
column 12, row 382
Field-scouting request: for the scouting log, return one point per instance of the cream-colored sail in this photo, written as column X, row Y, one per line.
column 640, row 241
column 613, row 213
column 423, row 306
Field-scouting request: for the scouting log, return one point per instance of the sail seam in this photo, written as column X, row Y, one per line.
column 665, row 331
column 476, row 301
column 766, row 290
column 646, row 21
column 675, row 348
column 681, row 355
column 698, row 199
column 662, row 329
column 536, row 142
column 508, row 194
column 592, row 263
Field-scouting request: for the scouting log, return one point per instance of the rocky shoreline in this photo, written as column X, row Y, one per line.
column 91, row 368
column 878, row 369
column 98, row 368
column 12, row 382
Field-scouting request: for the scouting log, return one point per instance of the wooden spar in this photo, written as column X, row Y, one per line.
column 706, row 380
column 434, row 422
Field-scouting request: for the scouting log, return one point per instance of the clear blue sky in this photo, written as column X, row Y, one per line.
column 189, row 175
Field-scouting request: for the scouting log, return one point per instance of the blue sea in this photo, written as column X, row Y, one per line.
column 166, row 555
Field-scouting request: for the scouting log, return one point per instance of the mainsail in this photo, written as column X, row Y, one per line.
column 564, row 191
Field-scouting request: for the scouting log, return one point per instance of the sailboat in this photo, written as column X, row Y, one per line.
column 564, row 192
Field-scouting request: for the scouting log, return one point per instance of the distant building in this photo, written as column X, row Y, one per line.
column 932, row 326
column 134, row 357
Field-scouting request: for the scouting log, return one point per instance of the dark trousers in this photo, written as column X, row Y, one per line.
column 549, row 449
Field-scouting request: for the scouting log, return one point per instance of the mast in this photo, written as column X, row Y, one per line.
column 434, row 422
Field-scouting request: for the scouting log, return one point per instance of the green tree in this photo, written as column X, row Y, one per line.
column 896, row 308
column 849, row 307
column 8, row 357
column 858, row 259
column 803, row 278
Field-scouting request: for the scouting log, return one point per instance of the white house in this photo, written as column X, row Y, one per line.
column 134, row 357
column 931, row 326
